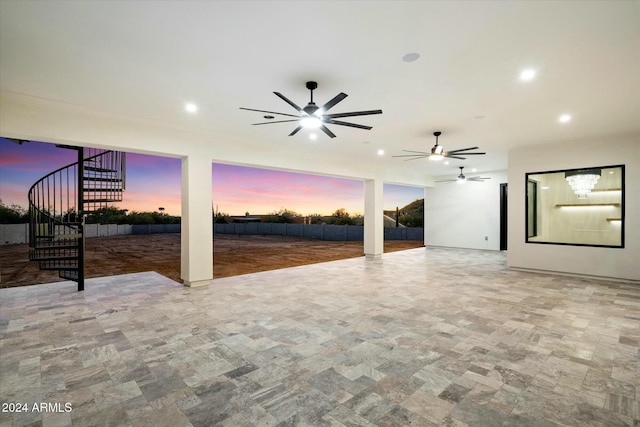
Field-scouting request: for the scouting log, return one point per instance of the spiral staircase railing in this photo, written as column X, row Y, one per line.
column 59, row 201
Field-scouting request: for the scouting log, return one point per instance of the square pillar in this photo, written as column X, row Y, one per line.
column 424, row 216
column 373, row 218
column 196, row 239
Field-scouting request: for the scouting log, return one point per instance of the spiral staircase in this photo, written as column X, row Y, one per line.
column 59, row 201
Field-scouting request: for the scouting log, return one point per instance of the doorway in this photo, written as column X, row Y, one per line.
column 503, row 216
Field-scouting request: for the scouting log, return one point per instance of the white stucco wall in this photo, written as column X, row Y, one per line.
column 619, row 263
column 462, row 215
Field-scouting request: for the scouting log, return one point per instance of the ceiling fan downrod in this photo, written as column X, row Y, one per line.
column 311, row 107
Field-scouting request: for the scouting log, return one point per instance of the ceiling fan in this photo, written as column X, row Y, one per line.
column 313, row 116
column 437, row 152
column 461, row 179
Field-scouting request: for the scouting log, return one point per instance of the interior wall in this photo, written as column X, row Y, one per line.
column 618, row 263
column 465, row 215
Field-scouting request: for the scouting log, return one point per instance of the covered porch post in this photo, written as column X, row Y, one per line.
column 424, row 216
column 373, row 218
column 196, row 239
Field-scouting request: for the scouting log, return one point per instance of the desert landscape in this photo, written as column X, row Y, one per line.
column 232, row 255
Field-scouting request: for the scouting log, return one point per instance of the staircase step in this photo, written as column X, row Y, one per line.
column 69, row 147
column 101, row 200
column 60, row 267
column 99, row 179
column 104, row 190
column 56, row 258
column 50, row 247
column 67, row 236
column 96, row 169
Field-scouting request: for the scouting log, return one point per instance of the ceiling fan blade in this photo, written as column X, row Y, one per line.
column 454, row 157
column 327, row 131
column 339, row 97
column 419, row 152
column 477, row 178
column 448, row 180
column 353, row 113
column 463, row 149
column 415, row 156
column 455, row 153
column 270, row 112
column 337, row 122
column 277, row 121
column 288, row 101
column 296, row 130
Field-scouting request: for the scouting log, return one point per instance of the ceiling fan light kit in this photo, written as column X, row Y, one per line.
column 314, row 117
column 310, row 122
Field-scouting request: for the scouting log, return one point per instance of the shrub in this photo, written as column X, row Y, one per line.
column 13, row 214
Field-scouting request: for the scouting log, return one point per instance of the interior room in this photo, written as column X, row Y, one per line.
column 517, row 311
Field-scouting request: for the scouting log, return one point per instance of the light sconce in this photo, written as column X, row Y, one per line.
column 582, row 181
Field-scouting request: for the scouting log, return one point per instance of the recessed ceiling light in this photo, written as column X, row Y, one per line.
column 528, row 75
column 313, row 136
column 381, row 152
column 474, row 170
column 447, row 162
column 564, row 118
column 190, row 107
column 411, row 57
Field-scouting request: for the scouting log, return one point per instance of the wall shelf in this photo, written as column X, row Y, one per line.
column 563, row 205
column 614, row 219
column 606, row 189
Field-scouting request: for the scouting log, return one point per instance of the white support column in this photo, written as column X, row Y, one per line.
column 196, row 240
column 424, row 216
column 373, row 218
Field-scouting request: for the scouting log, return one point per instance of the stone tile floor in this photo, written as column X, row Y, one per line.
column 425, row 337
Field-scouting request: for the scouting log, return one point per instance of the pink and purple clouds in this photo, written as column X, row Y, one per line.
column 154, row 181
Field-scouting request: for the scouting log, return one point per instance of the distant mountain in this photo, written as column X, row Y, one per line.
column 415, row 207
column 411, row 215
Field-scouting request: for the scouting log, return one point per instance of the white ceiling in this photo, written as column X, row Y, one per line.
column 145, row 59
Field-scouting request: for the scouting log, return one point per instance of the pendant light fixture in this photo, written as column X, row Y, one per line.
column 582, row 181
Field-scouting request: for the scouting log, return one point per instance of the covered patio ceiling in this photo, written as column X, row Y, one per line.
column 145, row 60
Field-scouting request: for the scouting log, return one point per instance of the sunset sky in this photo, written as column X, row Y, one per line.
column 154, row 182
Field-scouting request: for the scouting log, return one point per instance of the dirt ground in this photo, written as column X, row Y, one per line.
column 232, row 255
